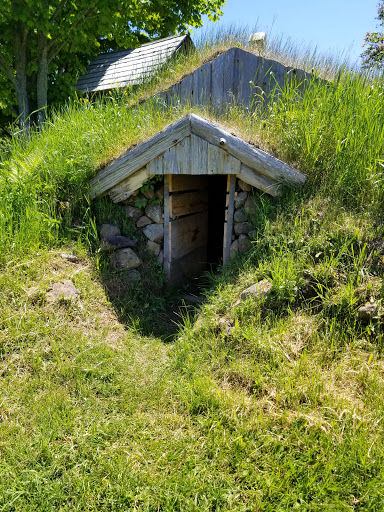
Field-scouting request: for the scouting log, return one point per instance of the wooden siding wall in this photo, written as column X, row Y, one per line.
column 235, row 76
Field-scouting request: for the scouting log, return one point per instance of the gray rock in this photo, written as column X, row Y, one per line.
column 253, row 234
column 368, row 312
column 244, row 244
column 125, row 259
column 154, row 232
column 70, row 257
column 154, row 212
column 143, row 221
column 244, row 186
column 249, row 206
column 153, row 247
column 240, row 216
column 242, row 228
column 234, row 250
column 241, row 199
column 259, row 290
column 160, row 257
column 107, row 230
column 111, row 243
column 132, row 212
column 133, row 276
column 64, row 290
column 160, row 192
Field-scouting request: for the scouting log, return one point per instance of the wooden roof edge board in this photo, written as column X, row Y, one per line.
column 262, row 162
column 258, row 181
column 139, row 156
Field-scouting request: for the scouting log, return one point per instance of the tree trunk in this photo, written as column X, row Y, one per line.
column 42, row 79
column 20, row 50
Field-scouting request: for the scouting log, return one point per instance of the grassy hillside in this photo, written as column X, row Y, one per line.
column 124, row 399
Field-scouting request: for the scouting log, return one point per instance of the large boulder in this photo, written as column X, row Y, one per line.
column 125, row 259
column 242, row 228
column 153, row 247
column 112, row 243
column 154, row 232
column 63, row 290
column 107, row 230
column 240, row 216
column 234, row 250
column 241, row 199
column 154, row 212
column 244, row 186
column 259, row 290
column 370, row 311
column 143, row 221
column 132, row 212
column 244, row 244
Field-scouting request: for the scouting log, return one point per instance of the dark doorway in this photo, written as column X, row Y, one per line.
column 195, row 224
column 217, row 194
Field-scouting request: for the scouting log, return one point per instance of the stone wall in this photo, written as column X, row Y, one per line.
column 242, row 229
column 146, row 211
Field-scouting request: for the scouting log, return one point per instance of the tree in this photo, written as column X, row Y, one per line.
column 42, row 40
column 374, row 42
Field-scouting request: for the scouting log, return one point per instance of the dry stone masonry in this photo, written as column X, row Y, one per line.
column 146, row 211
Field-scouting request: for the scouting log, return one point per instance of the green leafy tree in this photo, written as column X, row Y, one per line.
column 374, row 43
column 44, row 44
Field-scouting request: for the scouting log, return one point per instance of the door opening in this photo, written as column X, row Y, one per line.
column 194, row 224
column 217, row 192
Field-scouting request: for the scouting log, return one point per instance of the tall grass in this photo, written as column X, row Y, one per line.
column 333, row 132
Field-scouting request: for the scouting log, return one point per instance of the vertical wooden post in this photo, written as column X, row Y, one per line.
column 228, row 226
column 166, row 265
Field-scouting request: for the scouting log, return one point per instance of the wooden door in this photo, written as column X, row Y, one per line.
column 185, row 226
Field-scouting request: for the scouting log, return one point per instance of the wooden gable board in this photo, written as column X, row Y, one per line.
column 194, row 145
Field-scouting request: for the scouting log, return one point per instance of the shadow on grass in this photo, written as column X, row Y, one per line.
column 149, row 306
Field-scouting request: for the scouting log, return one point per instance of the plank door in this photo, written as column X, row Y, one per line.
column 185, row 227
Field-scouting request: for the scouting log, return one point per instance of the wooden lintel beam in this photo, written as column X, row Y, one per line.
column 258, row 181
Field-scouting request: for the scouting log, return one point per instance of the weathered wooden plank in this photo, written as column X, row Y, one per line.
column 187, row 203
column 128, row 186
column 248, row 65
column 185, row 92
column 252, row 157
column 228, row 228
column 218, row 71
column 257, row 180
column 187, row 267
column 170, row 161
column 155, row 166
column 221, row 162
column 232, row 164
column 182, row 183
column 216, row 157
column 139, row 156
column 186, row 234
column 167, row 180
column 229, row 64
column 201, row 85
column 183, row 156
column 199, row 160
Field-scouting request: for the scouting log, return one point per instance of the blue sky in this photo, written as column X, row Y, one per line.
column 331, row 25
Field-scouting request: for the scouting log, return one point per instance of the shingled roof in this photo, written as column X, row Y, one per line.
column 130, row 67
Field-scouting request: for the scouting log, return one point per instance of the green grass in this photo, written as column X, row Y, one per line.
column 269, row 404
